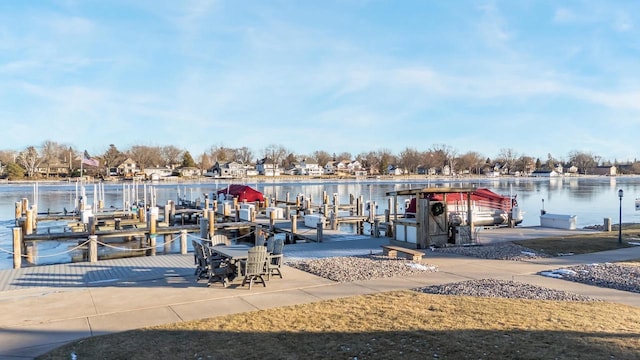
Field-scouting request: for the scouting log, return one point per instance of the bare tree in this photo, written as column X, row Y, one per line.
column 289, row 161
column 204, row 162
column 410, row 160
column 30, row 159
column 508, row 158
column 243, row 155
column 385, row 158
column 446, row 154
column 171, row 155
column 582, row 160
column 322, row 157
column 343, row 156
column 50, row 155
column 8, row 157
column 275, row 152
column 471, row 161
column 146, row 156
column 112, row 158
column 370, row 161
column 221, row 153
column 525, row 164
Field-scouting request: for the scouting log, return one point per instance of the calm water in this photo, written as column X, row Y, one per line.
column 591, row 199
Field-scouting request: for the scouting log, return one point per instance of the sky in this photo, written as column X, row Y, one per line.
column 537, row 77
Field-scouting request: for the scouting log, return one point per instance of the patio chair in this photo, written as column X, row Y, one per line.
column 254, row 267
column 220, row 240
column 270, row 242
column 200, row 259
column 274, row 261
column 218, row 270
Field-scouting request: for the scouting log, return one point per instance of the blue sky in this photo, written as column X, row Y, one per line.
column 537, row 77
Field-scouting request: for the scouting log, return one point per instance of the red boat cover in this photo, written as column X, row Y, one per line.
column 242, row 192
column 480, row 194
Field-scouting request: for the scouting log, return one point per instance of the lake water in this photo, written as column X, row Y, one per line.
column 591, row 199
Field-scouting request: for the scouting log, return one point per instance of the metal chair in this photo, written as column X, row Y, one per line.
column 253, row 268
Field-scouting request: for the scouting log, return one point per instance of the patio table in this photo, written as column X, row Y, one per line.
column 233, row 255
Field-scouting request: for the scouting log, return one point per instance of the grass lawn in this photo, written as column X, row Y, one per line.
column 582, row 243
column 392, row 325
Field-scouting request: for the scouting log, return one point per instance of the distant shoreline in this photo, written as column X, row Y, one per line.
column 289, row 178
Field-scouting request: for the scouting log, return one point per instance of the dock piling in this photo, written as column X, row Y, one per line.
column 319, row 226
column 93, row 248
column 17, row 247
column 183, row 242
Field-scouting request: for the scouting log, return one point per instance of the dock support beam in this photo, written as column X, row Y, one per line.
column 93, row 248
column 183, row 242
column 319, row 227
column 294, row 225
column 17, row 247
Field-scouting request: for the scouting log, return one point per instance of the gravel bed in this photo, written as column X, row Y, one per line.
column 502, row 289
column 614, row 276
column 354, row 268
column 501, row 251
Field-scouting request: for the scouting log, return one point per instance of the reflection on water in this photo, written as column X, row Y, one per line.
column 591, row 199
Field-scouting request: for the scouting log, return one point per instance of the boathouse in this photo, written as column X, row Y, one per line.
column 430, row 226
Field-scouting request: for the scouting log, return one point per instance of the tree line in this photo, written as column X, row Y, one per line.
column 33, row 159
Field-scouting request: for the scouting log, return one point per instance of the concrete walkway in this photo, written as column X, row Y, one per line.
column 47, row 306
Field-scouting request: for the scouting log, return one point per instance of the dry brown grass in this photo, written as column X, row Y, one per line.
column 582, row 243
column 401, row 324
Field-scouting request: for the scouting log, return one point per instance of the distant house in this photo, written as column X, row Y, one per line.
column 267, row 167
column 155, row 173
column 603, row 170
column 559, row 168
column 422, row 170
column 394, row 170
column 53, row 169
column 127, row 168
column 231, row 169
column 344, row 167
column 545, row 173
column 310, row 167
column 188, row 171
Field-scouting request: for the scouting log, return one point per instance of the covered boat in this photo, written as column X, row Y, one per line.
column 241, row 192
column 487, row 207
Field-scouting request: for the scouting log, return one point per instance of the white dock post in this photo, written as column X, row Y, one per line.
column 183, row 242
column 93, row 248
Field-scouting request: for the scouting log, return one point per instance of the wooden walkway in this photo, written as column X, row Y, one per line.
column 116, row 272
